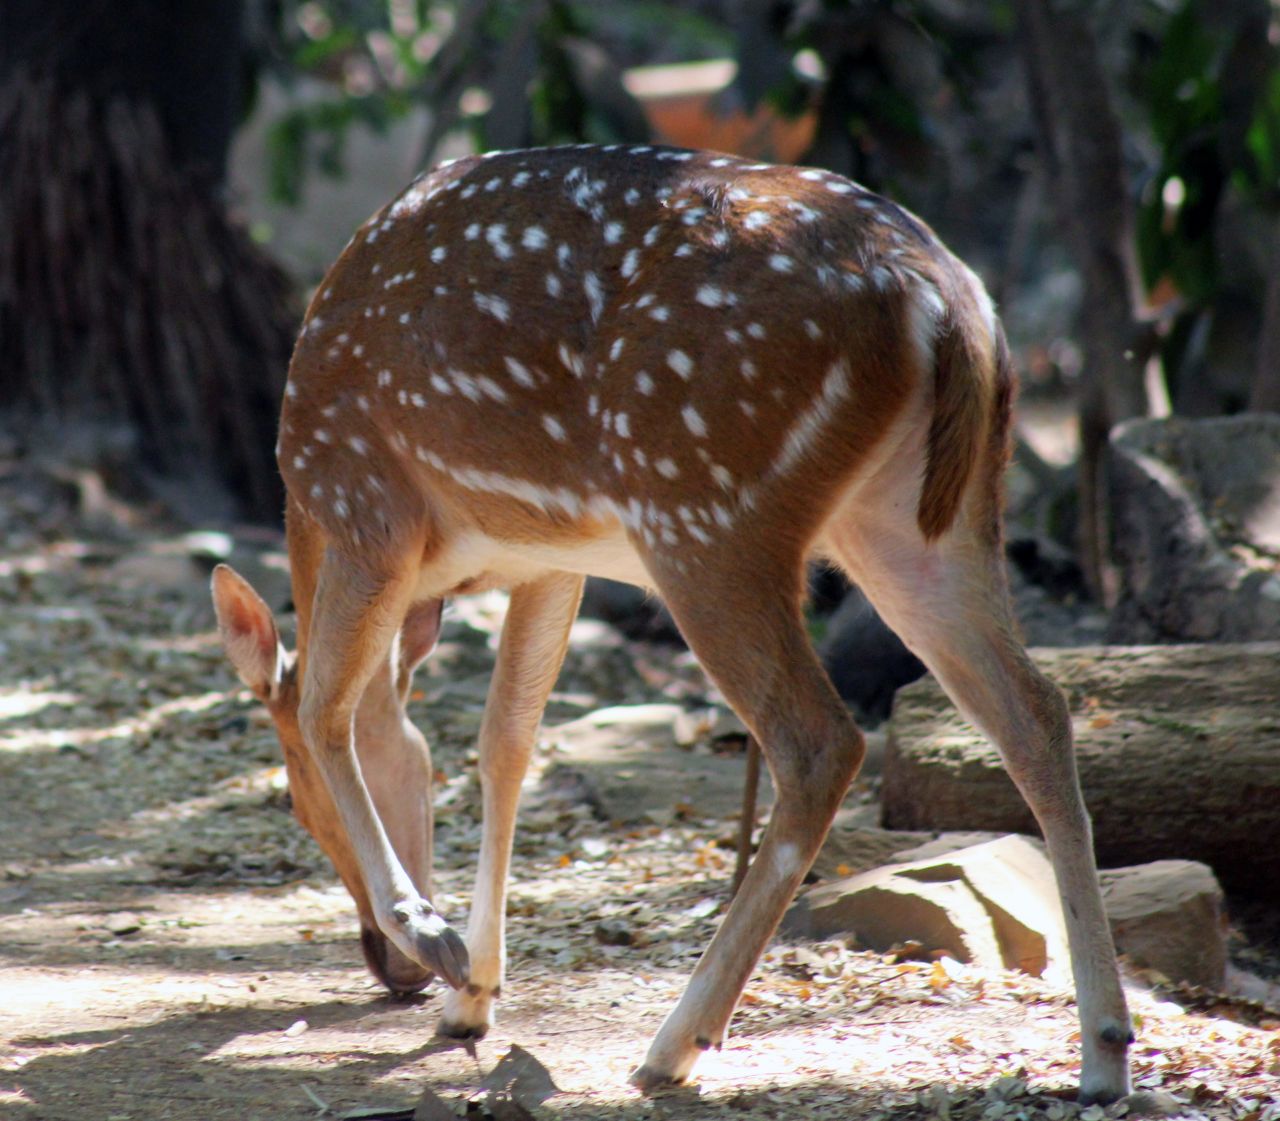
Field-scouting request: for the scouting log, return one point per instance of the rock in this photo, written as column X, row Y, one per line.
column 855, row 844
column 1176, row 748
column 868, row 663
column 943, row 845
column 865, row 660
column 882, row 909
column 1155, row 1103
column 1196, row 506
column 993, row 904
column 708, row 724
column 1168, row 916
column 627, row 758
column 158, row 572
column 636, row 613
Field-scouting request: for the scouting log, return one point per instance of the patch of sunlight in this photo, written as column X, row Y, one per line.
column 50, row 739
column 31, row 565
column 27, row 702
column 483, row 612
column 280, row 1046
column 38, row 996
column 205, row 642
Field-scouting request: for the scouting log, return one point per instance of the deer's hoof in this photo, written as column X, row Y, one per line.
column 432, row 941
column 459, row 1029
column 468, row 1012
column 649, row 1080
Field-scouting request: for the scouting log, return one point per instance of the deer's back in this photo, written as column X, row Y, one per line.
column 632, row 336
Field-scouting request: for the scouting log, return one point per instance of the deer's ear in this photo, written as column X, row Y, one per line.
column 248, row 631
column 418, row 637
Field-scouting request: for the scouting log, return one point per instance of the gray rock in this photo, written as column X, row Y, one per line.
column 866, row 661
column 1196, row 512
column 1168, row 916
column 628, row 759
column 993, row 904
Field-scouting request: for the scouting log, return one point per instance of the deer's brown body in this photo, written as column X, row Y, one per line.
column 681, row 370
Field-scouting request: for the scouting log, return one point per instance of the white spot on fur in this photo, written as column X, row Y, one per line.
column 519, row 372
column 809, row 425
column 493, row 305
column 595, row 295
column 681, row 363
column 571, row 361
column 693, row 421
column 496, row 236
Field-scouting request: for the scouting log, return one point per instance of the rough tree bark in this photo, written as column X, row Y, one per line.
column 1079, row 139
column 126, row 294
column 1265, row 396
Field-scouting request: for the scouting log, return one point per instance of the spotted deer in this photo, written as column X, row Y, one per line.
column 686, row 371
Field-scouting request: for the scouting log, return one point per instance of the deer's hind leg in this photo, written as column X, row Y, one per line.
column 948, row 600
column 742, row 619
column 355, row 613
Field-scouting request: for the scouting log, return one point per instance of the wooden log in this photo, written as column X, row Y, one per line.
column 1178, row 750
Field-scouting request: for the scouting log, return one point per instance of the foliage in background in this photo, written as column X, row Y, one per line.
column 536, row 72
column 510, row 73
column 1210, row 98
column 1212, row 101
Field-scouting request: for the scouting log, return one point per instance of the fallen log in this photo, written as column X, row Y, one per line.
column 1178, row 749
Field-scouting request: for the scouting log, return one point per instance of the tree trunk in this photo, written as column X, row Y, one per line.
column 1176, row 748
column 1079, row 139
column 1265, row 395
column 126, row 294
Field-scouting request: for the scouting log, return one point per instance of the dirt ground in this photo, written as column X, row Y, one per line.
column 173, row 945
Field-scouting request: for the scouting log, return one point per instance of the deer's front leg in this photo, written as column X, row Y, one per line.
column 356, row 614
column 534, row 639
